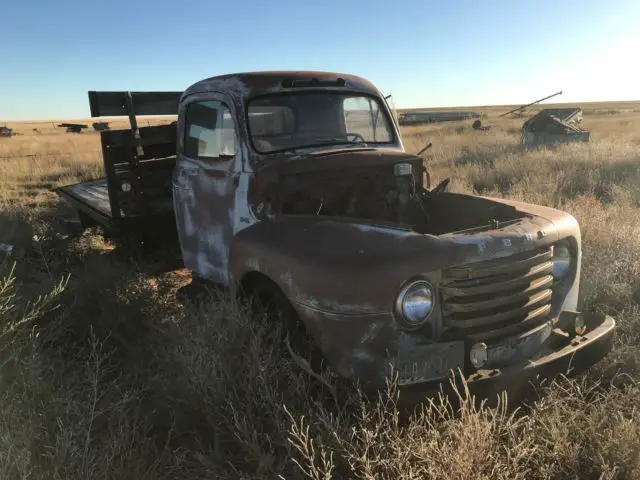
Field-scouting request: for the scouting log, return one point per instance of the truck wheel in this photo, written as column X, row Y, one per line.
column 268, row 297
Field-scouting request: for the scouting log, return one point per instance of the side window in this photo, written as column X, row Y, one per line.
column 209, row 131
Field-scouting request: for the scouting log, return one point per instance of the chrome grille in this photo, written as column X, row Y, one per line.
column 498, row 298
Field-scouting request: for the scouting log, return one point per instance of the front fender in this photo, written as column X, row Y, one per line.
column 330, row 265
column 342, row 277
column 345, row 267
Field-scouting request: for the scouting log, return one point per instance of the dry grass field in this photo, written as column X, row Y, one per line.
column 105, row 375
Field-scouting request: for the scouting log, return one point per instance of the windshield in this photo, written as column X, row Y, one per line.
column 309, row 119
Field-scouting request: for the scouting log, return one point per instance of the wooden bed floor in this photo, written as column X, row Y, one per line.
column 93, row 193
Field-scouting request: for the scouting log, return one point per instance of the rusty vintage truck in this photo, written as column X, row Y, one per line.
column 297, row 185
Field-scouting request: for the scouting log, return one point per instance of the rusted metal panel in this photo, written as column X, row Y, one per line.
column 343, row 276
column 112, row 104
column 554, row 126
column 534, row 139
column 204, row 206
column 208, row 201
column 259, row 83
column 145, row 188
column 162, row 137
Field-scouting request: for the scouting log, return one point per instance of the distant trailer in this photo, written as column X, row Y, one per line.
column 414, row 118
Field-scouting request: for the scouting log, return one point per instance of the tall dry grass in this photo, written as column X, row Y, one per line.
column 109, row 376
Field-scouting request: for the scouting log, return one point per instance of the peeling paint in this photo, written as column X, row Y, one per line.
column 371, row 333
column 287, row 280
column 252, row 264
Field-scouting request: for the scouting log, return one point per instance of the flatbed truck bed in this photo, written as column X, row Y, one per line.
column 90, row 196
column 135, row 196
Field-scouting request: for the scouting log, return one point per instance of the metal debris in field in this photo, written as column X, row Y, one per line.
column 477, row 125
column 73, row 127
column 519, row 111
column 6, row 132
column 553, row 126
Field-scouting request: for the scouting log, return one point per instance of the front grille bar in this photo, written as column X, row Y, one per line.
column 480, row 303
column 498, row 297
column 498, row 266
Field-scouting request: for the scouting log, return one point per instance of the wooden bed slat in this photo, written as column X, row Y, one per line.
column 95, row 194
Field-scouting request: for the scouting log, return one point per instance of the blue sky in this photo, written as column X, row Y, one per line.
column 427, row 54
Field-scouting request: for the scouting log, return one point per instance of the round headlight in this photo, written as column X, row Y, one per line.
column 415, row 303
column 561, row 261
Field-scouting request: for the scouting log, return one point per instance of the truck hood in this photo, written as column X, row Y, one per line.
column 347, row 267
column 336, row 159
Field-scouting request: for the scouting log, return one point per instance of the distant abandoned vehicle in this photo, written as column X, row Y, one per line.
column 73, row 127
column 295, row 187
column 100, row 126
column 553, row 126
column 6, row 132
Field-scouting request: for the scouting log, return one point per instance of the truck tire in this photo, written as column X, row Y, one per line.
column 268, row 297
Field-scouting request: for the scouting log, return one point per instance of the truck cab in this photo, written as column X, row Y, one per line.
column 298, row 184
column 238, row 131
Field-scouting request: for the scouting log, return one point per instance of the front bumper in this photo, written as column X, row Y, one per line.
column 565, row 353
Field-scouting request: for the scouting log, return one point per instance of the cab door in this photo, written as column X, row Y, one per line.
column 204, row 185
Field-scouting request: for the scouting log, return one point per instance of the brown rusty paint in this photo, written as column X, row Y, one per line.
column 346, row 267
column 340, row 160
column 342, row 275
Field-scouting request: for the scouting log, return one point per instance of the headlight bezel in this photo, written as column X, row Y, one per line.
column 404, row 293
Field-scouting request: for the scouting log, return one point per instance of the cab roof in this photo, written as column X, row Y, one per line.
column 250, row 84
